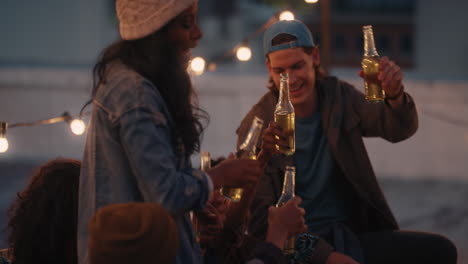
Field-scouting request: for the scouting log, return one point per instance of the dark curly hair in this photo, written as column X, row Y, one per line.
column 42, row 222
column 156, row 59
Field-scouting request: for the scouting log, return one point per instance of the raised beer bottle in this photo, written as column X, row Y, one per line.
column 287, row 194
column 370, row 67
column 247, row 150
column 285, row 117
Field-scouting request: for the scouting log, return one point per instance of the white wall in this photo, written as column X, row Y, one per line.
column 54, row 32
column 442, row 39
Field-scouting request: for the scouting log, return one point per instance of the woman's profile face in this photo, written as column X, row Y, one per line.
column 184, row 31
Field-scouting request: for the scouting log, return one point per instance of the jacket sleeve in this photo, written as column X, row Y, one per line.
column 381, row 119
column 146, row 138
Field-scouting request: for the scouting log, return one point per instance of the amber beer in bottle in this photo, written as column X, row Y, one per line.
column 205, row 165
column 285, row 117
column 370, row 67
column 287, row 194
column 246, row 151
column 205, row 161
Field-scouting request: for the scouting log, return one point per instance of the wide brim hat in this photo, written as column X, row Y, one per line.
column 140, row 18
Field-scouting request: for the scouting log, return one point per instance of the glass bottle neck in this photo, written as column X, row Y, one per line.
column 289, row 182
column 250, row 142
column 369, row 43
column 284, row 102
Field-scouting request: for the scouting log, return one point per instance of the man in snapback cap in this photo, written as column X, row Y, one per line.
column 344, row 204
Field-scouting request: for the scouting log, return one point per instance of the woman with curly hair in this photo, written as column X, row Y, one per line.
column 43, row 219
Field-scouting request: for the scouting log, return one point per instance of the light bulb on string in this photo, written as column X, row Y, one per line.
column 3, row 145
column 311, row 1
column 78, row 127
column 212, row 67
column 286, row 15
column 197, row 65
column 3, row 140
column 244, row 53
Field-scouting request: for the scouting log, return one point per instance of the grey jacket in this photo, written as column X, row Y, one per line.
column 346, row 119
column 130, row 155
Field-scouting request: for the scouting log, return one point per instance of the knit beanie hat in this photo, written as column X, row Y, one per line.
column 140, row 18
column 132, row 233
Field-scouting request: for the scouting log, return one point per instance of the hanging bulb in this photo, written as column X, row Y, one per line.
column 244, row 53
column 78, row 127
column 286, row 15
column 3, row 140
column 311, row 1
column 212, row 67
column 197, row 65
column 3, row 145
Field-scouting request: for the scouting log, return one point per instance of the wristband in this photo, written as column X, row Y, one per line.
column 304, row 248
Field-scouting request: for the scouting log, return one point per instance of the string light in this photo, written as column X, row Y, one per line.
column 244, row 53
column 3, row 140
column 286, row 15
column 311, row 1
column 197, row 65
column 3, row 145
column 212, row 67
column 78, row 127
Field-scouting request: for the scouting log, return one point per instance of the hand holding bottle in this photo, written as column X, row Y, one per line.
column 390, row 76
column 247, row 150
column 272, row 136
column 235, row 173
column 210, row 221
column 285, row 221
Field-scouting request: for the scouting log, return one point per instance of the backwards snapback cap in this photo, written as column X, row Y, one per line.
column 291, row 27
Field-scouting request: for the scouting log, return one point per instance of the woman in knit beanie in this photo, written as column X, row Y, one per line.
column 145, row 124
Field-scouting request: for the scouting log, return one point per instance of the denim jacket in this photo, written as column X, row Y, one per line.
column 130, row 156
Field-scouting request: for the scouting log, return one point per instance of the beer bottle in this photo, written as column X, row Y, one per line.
column 286, row 195
column 205, row 165
column 205, row 161
column 247, row 150
column 370, row 67
column 285, row 117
